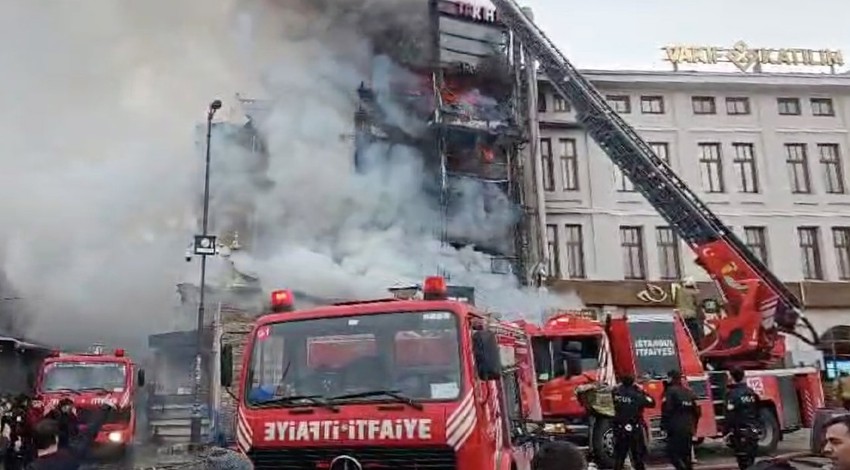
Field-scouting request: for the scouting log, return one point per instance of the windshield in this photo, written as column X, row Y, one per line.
column 414, row 354
column 654, row 346
column 84, row 375
column 549, row 354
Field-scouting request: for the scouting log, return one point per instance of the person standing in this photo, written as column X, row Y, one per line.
column 685, row 298
column 742, row 419
column 629, row 428
column 680, row 415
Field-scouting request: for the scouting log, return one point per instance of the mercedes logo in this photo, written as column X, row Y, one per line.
column 345, row 462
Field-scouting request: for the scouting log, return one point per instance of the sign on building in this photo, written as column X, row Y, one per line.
column 751, row 59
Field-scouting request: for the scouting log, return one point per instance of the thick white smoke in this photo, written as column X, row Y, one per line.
column 101, row 175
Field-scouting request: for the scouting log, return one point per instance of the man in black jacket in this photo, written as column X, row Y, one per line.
column 629, row 429
column 51, row 457
column 19, row 450
column 66, row 418
column 742, row 419
column 680, row 414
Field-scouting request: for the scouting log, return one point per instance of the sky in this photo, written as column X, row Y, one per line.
column 629, row 34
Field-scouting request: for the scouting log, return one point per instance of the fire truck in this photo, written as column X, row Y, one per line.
column 392, row 383
column 93, row 379
column 759, row 307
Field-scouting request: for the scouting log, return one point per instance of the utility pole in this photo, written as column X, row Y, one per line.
column 205, row 245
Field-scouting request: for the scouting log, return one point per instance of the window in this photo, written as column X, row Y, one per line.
column 569, row 164
column 668, row 253
column 704, row 105
column 652, row 104
column 788, row 106
column 822, row 107
column 560, row 105
column 833, row 172
column 621, row 103
column 662, row 150
column 548, row 164
column 798, row 168
column 737, row 106
column 711, row 168
column 575, row 252
column 631, row 241
column 745, row 167
column 810, row 250
column 554, row 251
column 841, row 241
column 755, row 239
column 541, row 102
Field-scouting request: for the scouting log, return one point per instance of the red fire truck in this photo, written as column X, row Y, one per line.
column 388, row 383
column 759, row 308
column 91, row 380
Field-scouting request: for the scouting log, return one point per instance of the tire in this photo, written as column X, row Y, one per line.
column 602, row 443
column 769, row 431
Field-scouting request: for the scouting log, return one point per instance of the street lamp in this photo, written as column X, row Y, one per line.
column 205, row 245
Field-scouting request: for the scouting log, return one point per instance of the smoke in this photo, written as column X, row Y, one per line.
column 101, row 174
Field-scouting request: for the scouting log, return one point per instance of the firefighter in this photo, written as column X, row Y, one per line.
column 680, row 414
column 66, row 419
column 685, row 298
column 742, row 420
column 844, row 389
column 629, row 428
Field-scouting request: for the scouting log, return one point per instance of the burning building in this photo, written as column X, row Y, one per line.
column 466, row 82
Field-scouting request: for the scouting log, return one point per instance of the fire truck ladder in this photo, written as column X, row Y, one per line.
column 651, row 176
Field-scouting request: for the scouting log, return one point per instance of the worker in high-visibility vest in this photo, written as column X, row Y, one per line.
column 685, row 298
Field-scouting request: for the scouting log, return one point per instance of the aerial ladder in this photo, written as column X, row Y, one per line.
column 758, row 305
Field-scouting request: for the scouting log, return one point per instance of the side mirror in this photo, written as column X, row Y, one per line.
column 226, row 365
column 485, row 349
column 140, row 378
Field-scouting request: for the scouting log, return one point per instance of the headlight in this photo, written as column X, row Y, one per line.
column 115, row 437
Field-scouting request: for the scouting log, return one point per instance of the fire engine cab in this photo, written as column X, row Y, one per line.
column 91, row 380
column 391, row 383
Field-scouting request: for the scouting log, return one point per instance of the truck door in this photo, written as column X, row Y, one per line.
column 653, row 343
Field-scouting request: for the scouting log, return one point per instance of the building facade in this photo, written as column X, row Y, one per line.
column 768, row 153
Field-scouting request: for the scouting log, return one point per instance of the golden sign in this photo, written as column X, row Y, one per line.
column 652, row 294
column 746, row 58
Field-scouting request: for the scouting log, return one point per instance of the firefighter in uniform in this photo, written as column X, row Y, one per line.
column 742, row 420
column 629, row 439
column 680, row 414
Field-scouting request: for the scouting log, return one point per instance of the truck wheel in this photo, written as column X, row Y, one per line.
column 602, row 443
column 769, row 432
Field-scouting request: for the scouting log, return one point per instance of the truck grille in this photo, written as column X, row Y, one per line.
column 87, row 415
column 390, row 458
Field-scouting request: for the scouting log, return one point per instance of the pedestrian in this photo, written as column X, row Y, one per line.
column 680, row 414
column 742, row 419
column 629, row 428
column 558, row 456
column 51, row 457
column 66, row 418
column 837, row 439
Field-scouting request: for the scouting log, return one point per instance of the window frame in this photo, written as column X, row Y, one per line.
column 625, row 100
column 818, row 104
column 569, row 161
column 559, row 104
column 760, row 246
column 553, row 242
column 646, row 104
column 832, row 168
column 548, row 163
column 698, row 102
column 841, row 245
column 745, row 163
column 784, row 102
column 814, row 272
column 732, row 101
column 803, row 163
column 666, row 247
column 627, row 254
column 575, row 249
column 714, row 167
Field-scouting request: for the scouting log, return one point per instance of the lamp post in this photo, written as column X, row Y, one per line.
column 205, row 245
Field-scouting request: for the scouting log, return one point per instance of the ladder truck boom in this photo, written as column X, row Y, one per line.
column 760, row 305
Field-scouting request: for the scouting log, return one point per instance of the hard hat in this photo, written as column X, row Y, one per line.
column 689, row 282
